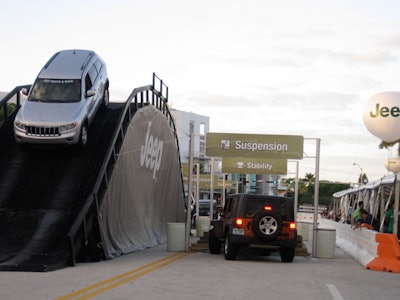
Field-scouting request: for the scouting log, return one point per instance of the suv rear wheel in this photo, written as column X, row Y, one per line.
column 267, row 225
column 287, row 254
column 106, row 98
column 230, row 250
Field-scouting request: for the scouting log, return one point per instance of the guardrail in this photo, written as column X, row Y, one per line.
column 140, row 97
column 11, row 102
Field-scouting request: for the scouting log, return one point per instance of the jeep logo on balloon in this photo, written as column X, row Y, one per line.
column 382, row 116
column 393, row 164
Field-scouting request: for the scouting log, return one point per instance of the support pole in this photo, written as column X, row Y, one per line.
column 190, row 187
column 396, row 206
column 197, row 189
column 316, row 198
column 296, row 191
column 212, row 188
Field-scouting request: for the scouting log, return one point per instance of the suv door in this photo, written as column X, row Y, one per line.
column 93, row 91
column 98, row 81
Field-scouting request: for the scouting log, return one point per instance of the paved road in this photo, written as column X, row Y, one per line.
column 158, row 274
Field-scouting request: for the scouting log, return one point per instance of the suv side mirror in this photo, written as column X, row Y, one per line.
column 24, row 91
column 90, row 93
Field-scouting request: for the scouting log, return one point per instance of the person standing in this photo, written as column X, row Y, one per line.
column 389, row 218
column 356, row 214
column 369, row 221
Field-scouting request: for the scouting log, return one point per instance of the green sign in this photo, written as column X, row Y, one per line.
column 254, row 145
column 254, row 165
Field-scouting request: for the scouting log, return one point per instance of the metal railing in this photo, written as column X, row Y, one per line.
column 139, row 98
column 13, row 97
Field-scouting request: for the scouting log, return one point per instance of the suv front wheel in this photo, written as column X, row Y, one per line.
column 83, row 139
column 214, row 245
column 267, row 225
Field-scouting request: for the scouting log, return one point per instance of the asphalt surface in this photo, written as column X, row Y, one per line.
column 159, row 274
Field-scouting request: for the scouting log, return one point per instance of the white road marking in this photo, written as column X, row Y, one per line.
column 334, row 292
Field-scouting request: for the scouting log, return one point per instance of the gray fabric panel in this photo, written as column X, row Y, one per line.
column 145, row 191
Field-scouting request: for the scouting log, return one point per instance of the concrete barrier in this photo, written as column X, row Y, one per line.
column 326, row 243
column 360, row 243
column 373, row 250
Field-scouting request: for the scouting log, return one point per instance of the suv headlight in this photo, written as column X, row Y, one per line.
column 67, row 127
column 20, row 125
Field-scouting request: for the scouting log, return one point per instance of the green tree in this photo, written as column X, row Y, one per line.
column 385, row 145
column 306, row 189
column 10, row 108
column 309, row 178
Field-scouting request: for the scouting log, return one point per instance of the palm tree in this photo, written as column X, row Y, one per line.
column 309, row 179
column 386, row 145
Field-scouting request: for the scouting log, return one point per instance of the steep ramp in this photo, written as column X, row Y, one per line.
column 42, row 190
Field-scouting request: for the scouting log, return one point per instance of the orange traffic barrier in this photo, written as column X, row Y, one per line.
column 388, row 254
column 365, row 225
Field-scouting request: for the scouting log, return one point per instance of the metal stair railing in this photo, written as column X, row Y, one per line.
column 6, row 107
column 139, row 98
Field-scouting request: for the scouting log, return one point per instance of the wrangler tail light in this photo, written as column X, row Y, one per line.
column 239, row 222
column 292, row 226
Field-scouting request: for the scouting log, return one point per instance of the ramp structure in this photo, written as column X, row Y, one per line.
column 62, row 205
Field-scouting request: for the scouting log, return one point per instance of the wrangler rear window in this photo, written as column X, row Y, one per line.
column 254, row 205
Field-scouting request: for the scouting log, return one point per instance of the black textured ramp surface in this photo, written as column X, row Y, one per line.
column 41, row 192
column 30, row 240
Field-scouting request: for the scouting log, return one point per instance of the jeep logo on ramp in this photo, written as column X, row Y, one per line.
column 151, row 152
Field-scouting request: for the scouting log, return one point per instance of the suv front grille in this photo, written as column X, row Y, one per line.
column 42, row 131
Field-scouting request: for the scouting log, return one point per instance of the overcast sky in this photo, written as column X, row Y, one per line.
column 256, row 66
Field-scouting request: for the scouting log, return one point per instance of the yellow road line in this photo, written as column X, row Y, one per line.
column 108, row 284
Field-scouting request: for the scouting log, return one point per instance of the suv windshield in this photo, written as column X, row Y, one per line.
column 56, row 90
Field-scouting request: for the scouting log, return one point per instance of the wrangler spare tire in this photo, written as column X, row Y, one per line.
column 267, row 225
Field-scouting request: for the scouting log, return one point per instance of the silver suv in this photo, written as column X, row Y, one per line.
column 63, row 100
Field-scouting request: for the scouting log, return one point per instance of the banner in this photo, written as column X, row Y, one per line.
column 145, row 191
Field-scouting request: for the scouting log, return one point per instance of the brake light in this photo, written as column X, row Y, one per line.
column 292, row 226
column 269, row 208
column 239, row 222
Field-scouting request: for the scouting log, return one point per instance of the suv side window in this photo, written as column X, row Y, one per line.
column 88, row 82
column 227, row 206
column 93, row 74
column 235, row 205
column 98, row 65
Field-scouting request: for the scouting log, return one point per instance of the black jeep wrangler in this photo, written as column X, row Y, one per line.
column 264, row 223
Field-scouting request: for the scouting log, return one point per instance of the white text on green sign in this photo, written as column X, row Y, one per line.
column 254, row 145
column 254, row 165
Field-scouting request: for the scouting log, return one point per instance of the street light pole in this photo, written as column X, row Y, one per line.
column 360, row 179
